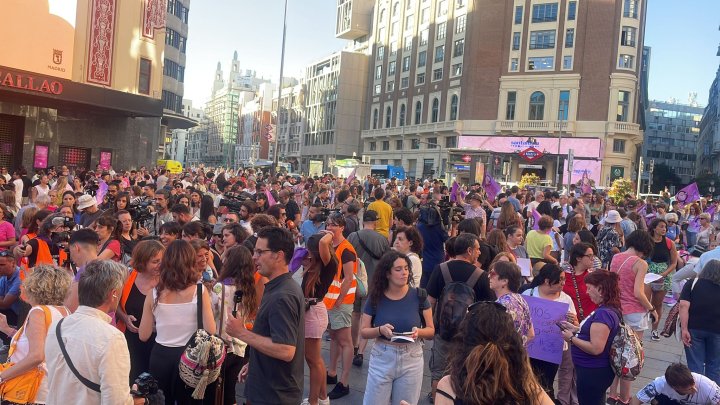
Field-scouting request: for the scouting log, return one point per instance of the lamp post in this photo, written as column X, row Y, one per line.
column 273, row 170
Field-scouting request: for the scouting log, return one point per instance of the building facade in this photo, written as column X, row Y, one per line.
column 671, row 138
column 81, row 86
column 505, row 81
column 254, row 127
column 335, row 92
column 291, row 126
column 708, row 145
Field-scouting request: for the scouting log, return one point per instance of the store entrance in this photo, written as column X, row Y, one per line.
column 12, row 128
column 541, row 173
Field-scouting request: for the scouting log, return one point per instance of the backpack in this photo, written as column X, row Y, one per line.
column 626, row 352
column 429, row 215
column 454, row 301
column 362, row 279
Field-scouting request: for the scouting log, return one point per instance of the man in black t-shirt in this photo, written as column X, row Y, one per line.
column 467, row 249
column 274, row 373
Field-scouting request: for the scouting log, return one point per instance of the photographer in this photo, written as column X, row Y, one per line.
column 161, row 215
column 44, row 249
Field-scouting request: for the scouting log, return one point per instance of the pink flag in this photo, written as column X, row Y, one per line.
column 492, row 188
column 536, row 220
column 688, row 195
column 271, row 200
column 100, row 193
column 351, row 177
column 586, row 188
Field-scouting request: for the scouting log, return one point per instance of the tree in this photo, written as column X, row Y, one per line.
column 664, row 176
column 620, row 187
column 528, row 179
column 703, row 181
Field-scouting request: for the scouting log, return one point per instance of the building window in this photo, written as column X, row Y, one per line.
column 415, row 144
column 404, row 82
column 378, row 89
column 394, row 29
column 460, row 23
column 572, row 10
column 439, row 53
column 393, row 48
column 409, row 22
column 418, row 113
column 442, row 8
column 391, row 68
column 441, row 31
column 545, row 12
column 375, row 119
column 432, row 143
column 567, row 62
column 420, row 79
column 408, row 43
column 451, row 142
column 144, row 76
column 569, row 37
column 381, row 34
column 437, row 74
column 564, row 105
column 388, row 117
column 423, row 37
column 457, row 69
column 510, row 106
column 542, row 63
column 396, row 9
column 390, row 86
column 627, row 36
column 453, row 107
column 514, row 64
column 619, row 145
column 630, row 8
column 422, row 58
column 399, row 144
column 385, row 145
column 435, row 110
column 623, row 107
column 380, row 52
column 425, row 15
column 373, row 146
column 459, row 47
column 378, row 72
column 406, row 64
column 518, row 14
column 537, row 106
column 516, row 41
column 542, row 39
column 402, row 115
column 626, row 61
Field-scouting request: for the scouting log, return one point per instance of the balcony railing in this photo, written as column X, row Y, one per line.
column 411, row 129
column 549, row 126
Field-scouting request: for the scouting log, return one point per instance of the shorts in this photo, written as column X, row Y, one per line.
column 638, row 321
column 439, row 358
column 358, row 304
column 340, row 318
column 316, row 321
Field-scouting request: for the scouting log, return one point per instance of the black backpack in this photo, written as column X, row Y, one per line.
column 454, row 301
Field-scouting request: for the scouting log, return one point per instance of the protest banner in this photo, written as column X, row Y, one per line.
column 548, row 342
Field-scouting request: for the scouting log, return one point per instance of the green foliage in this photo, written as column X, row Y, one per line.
column 619, row 188
column 528, row 180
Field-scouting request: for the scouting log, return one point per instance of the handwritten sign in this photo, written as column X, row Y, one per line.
column 525, row 267
column 548, row 342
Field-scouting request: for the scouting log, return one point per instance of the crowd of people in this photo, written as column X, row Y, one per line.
column 106, row 276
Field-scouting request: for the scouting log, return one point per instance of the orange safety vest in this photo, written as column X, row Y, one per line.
column 124, row 297
column 44, row 256
column 334, row 290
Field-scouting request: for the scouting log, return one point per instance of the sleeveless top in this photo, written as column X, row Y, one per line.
column 175, row 323
column 622, row 264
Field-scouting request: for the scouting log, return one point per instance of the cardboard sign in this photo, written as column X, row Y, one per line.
column 548, row 342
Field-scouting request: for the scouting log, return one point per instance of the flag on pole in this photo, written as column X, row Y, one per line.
column 711, row 210
column 100, row 193
column 536, row 220
column 351, row 177
column 688, row 195
column 453, row 191
column 492, row 188
column 270, row 199
column 586, row 188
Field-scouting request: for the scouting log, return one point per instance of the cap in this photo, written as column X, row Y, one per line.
column 85, row 201
column 370, row 216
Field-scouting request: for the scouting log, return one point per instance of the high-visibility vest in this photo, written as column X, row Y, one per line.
column 334, row 290
column 124, row 297
column 44, row 256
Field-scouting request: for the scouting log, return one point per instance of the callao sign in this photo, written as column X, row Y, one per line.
column 27, row 82
column 531, row 154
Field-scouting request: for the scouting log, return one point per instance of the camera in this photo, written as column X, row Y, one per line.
column 140, row 211
column 147, row 387
column 233, row 202
column 325, row 213
column 92, row 188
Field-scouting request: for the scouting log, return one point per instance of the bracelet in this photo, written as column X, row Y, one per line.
column 651, row 309
column 379, row 333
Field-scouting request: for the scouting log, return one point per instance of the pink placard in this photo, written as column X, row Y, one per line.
column 582, row 147
column 593, row 167
column 105, row 160
column 41, row 157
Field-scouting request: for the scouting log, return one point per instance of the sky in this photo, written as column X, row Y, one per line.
column 684, row 41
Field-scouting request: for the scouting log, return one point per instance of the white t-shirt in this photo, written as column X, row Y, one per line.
column 708, row 393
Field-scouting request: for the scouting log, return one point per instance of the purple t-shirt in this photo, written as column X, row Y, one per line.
column 604, row 315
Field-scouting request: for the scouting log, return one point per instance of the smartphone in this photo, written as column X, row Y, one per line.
column 237, row 299
column 560, row 325
column 402, row 333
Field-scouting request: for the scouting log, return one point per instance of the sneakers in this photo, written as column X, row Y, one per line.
column 325, row 401
column 339, row 391
column 654, row 335
column 331, row 380
column 358, row 360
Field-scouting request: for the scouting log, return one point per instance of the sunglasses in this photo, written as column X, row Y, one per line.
column 495, row 304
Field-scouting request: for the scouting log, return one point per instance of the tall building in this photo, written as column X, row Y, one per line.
column 671, row 136
column 197, row 141
column 708, row 145
column 502, row 81
column 255, row 123
column 81, row 84
column 291, row 126
column 189, row 111
column 335, row 92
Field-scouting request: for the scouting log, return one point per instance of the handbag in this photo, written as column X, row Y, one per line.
column 23, row 388
column 203, row 356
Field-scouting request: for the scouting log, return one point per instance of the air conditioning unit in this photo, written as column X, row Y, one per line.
column 366, row 159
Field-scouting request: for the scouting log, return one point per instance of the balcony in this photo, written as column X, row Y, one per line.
column 409, row 130
column 624, row 128
column 545, row 126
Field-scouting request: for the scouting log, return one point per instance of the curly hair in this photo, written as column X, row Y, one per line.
column 379, row 282
column 488, row 363
column 239, row 267
column 47, row 285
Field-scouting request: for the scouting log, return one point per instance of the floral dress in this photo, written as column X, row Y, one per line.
column 519, row 310
column 607, row 239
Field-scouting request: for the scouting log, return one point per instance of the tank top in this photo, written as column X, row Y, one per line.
column 175, row 323
column 660, row 253
column 622, row 264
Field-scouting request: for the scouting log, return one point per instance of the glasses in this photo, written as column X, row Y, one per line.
column 591, row 255
column 283, row 214
column 259, row 252
column 497, row 305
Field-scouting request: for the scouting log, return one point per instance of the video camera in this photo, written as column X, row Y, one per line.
column 233, row 202
column 59, row 238
column 140, row 211
column 324, row 214
column 147, row 387
column 92, row 187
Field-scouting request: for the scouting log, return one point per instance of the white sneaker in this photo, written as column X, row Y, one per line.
column 305, row 401
column 325, row 401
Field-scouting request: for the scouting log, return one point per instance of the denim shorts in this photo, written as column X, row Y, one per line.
column 638, row 321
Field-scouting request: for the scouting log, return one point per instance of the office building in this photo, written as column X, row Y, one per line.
column 254, row 127
column 500, row 82
column 708, row 145
column 291, row 126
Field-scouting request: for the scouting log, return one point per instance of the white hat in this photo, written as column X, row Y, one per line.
column 86, row 201
column 613, row 217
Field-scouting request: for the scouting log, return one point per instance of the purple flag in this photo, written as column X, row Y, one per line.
column 586, row 189
column 100, row 194
column 711, row 210
column 688, row 195
column 271, row 200
column 492, row 189
column 453, row 191
column 536, row 220
column 351, row 177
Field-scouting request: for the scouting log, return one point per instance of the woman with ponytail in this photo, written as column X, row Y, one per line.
column 548, row 284
column 489, row 364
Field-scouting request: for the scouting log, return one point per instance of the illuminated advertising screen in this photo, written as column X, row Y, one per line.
column 39, row 35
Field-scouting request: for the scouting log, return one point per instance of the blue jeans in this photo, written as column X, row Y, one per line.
column 703, row 355
column 395, row 373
